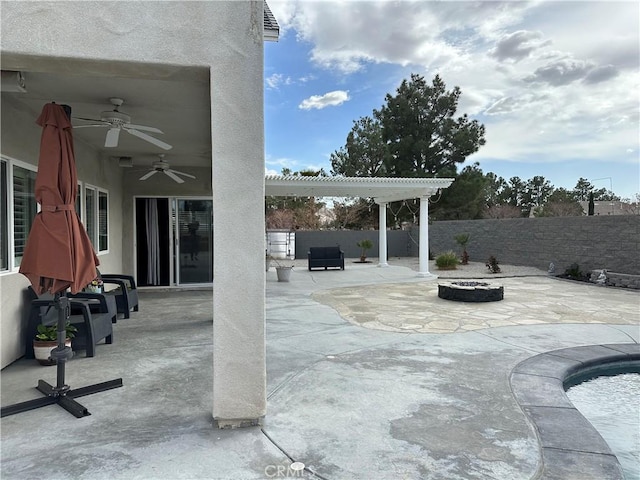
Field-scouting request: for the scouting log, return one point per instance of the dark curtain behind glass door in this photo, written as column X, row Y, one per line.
column 152, row 240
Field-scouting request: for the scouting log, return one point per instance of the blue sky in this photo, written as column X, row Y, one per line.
column 556, row 84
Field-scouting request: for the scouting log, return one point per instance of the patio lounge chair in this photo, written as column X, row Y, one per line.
column 126, row 294
column 92, row 327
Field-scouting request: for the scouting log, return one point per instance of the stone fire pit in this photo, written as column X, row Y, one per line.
column 470, row 291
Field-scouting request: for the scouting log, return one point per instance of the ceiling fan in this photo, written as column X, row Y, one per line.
column 116, row 120
column 162, row 166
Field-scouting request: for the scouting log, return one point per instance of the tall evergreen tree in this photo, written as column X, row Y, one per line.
column 422, row 136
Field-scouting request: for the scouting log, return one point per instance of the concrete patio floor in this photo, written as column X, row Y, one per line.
column 375, row 394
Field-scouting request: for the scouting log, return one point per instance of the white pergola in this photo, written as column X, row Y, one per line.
column 381, row 189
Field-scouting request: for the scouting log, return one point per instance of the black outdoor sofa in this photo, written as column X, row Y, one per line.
column 325, row 257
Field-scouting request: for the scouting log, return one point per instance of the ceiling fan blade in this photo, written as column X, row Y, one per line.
column 144, row 128
column 88, row 119
column 148, row 174
column 148, row 138
column 174, row 176
column 112, row 137
column 180, row 173
column 92, row 125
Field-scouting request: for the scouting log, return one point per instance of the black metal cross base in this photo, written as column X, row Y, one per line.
column 61, row 394
column 63, row 398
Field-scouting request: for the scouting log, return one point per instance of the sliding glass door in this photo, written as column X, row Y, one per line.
column 193, row 227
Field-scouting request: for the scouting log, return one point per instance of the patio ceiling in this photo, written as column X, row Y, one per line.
column 381, row 189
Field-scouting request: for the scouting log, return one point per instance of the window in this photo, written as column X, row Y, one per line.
column 24, row 209
column 79, row 201
column 89, row 214
column 96, row 204
column 4, row 217
column 103, row 221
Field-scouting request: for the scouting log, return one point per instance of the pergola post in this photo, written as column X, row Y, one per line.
column 424, row 239
column 382, row 241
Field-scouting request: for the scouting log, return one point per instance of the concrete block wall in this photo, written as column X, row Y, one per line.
column 597, row 242
column 397, row 242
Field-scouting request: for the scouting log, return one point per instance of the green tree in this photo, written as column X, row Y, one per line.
column 364, row 154
column 513, row 192
column 560, row 203
column 495, row 187
column 422, row 136
column 582, row 189
column 464, row 199
column 536, row 192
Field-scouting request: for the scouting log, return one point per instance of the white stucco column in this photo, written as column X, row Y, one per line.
column 424, row 239
column 382, row 240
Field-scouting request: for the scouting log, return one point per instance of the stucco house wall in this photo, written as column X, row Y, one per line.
column 227, row 39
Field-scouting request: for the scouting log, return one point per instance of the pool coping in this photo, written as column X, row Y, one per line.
column 570, row 447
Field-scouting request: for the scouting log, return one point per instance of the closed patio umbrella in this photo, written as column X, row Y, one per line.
column 58, row 254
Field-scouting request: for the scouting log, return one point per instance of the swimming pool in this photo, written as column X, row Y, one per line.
column 610, row 403
column 570, row 446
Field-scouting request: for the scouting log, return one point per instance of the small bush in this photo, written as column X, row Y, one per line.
column 447, row 260
column 574, row 271
column 492, row 265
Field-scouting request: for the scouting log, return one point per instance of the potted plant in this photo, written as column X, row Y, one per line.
column 364, row 245
column 46, row 339
column 95, row 286
column 283, row 271
column 462, row 239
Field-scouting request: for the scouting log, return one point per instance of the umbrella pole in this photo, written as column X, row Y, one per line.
column 61, row 353
column 61, row 393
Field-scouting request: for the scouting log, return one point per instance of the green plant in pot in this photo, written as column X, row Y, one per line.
column 46, row 339
column 364, row 245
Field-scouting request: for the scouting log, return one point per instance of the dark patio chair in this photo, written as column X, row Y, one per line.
column 99, row 303
column 126, row 293
column 92, row 327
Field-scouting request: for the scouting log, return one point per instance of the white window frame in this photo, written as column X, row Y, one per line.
column 11, row 164
column 95, row 235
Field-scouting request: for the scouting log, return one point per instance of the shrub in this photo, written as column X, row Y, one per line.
column 574, row 271
column 462, row 239
column 492, row 265
column 447, row 260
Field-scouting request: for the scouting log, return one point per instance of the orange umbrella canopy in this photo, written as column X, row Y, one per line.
column 58, row 254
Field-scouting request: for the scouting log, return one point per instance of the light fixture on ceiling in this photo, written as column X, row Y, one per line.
column 12, row 81
column 126, row 162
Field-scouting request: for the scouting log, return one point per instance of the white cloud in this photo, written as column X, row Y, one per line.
column 330, row 99
column 275, row 80
column 550, row 80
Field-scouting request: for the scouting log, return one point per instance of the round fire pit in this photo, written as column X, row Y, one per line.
column 470, row 291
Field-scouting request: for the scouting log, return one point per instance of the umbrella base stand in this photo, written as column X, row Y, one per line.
column 61, row 394
column 63, row 398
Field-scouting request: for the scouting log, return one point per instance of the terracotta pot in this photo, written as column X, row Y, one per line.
column 42, row 350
